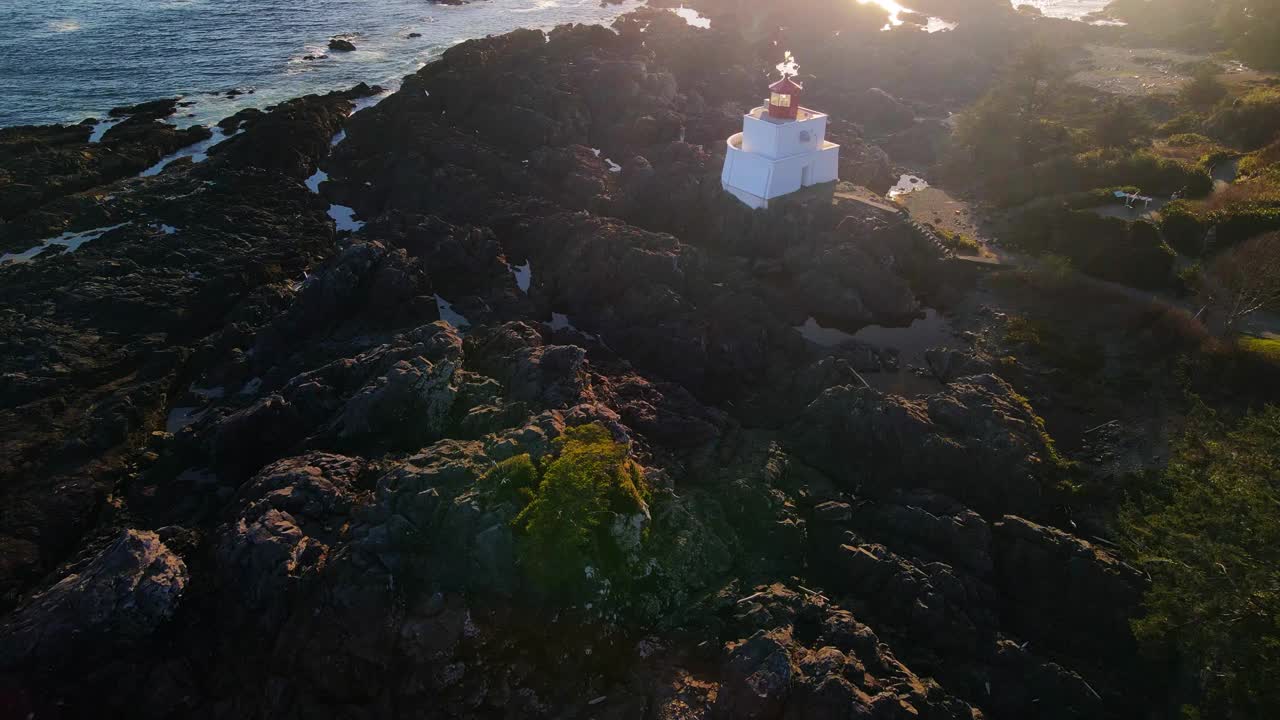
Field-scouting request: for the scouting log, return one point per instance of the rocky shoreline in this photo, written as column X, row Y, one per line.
column 243, row 457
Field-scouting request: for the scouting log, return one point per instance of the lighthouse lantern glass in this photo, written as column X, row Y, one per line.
column 780, row 100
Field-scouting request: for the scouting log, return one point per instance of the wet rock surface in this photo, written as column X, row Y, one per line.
column 246, row 458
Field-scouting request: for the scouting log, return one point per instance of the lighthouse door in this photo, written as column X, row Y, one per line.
column 804, row 176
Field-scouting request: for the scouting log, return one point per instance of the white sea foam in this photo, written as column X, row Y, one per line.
column 1070, row 9
column 524, row 275
column 155, row 63
column 693, row 17
column 896, row 9
column 825, row 337
column 344, row 218
column 252, row 387
column 65, row 25
column 313, row 182
column 365, row 103
column 207, row 394
column 538, row 6
column 907, row 184
column 560, row 321
column 451, row 316
column 101, row 129
column 181, row 417
column 70, row 240
column 198, row 152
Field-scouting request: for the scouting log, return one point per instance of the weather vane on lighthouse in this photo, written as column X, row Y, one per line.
column 782, row 146
column 788, row 67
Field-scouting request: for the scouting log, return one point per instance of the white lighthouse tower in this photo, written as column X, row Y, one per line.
column 782, row 147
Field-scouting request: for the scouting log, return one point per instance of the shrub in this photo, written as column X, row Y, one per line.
column 1102, row 168
column 513, row 480
column 1204, row 89
column 1022, row 330
column 1185, row 227
column 959, row 242
column 1251, row 121
column 563, row 529
column 1251, row 27
column 1080, row 360
column 1257, row 163
column 1121, row 125
column 1190, row 279
column 1209, row 536
column 1096, row 197
column 1238, row 223
column 1265, row 348
column 1181, row 124
column 1188, row 139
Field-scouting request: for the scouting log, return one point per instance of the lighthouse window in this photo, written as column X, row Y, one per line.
column 804, row 136
column 780, row 100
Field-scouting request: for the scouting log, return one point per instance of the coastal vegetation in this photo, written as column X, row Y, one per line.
column 564, row 531
column 681, row 458
column 1207, row 532
column 1248, row 27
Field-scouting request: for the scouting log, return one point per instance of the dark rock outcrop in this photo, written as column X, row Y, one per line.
column 112, row 604
column 312, row 427
column 1064, row 590
column 977, row 441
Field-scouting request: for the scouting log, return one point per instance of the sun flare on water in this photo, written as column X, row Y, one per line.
column 893, row 8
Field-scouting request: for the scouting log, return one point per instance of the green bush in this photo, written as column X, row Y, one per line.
column 513, row 480
column 1208, row 533
column 1251, row 27
column 1204, row 89
column 1099, row 196
column 1185, row 227
column 1080, row 360
column 1103, row 168
column 1188, row 139
column 1132, row 253
column 1262, row 163
column 1121, row 125
column 1267, row 348
column 959, row 242
column 563, row 530
column 1240, row 222
column 1186, row 123
column 1252, row 121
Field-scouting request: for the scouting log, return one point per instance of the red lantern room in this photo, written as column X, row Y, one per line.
column 784, row 98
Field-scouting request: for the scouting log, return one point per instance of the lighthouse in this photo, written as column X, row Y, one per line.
column 782, row 147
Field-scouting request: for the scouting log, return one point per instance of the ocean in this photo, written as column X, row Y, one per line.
column 1073, row 9
column 61, row 62
column 65, row 61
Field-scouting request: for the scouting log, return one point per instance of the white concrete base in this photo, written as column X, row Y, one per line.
column 756, row 179
column 773, row 157
column 752, row 201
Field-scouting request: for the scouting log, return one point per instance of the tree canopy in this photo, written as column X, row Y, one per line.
column 1209, row 536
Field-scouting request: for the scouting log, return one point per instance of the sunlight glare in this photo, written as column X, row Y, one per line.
column 890, row 6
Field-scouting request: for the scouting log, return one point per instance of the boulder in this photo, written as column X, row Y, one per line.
column 977, row 441
column 924, row 523
column 757, row 678
column 408, row 406
column 287, row 521
column 947, row 365
column 112, row 604
column 1065, row 591
column 341, row 45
